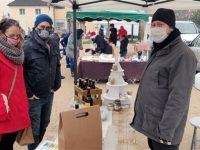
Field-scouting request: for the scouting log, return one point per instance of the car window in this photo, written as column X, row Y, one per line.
column 198, row 42
column 194, row 42
column 186, row 28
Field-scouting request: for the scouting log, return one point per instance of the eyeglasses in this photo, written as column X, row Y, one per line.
column 12, row 36
column 44, row 27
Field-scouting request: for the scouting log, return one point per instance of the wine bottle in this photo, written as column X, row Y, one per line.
column 86, row 79
column 88, row 100
column 80, row 82
column 93, row 84
column 90, row 83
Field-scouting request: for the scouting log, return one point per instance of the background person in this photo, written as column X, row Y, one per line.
column 163, row 97
column 123, row 45
column 42, row 76
column 55, row 38
column 64, row 42
column 113, row 34
column 14, row 116
column 101, row 31
column 122, row 31
column 70, row 48
column 102, row 45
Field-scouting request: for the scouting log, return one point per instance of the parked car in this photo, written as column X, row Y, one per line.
column 188, row 31
column 195, row 47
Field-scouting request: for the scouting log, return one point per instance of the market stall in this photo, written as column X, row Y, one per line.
column 96, row 70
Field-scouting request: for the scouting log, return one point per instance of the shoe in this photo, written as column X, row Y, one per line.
column 67, row 66
column 62, row 77
column 137, row 81
column 72, row 74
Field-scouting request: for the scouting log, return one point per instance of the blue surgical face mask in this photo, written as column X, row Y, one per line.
column 43, row 33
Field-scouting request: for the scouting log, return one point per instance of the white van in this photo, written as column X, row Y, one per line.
column 188, row 30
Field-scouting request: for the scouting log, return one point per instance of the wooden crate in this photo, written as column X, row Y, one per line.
column 79, row 93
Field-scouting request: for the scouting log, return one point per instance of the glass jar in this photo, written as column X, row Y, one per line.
column 118, row 105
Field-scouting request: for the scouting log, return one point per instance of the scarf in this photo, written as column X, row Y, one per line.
column 172, row 36
column 11, row 52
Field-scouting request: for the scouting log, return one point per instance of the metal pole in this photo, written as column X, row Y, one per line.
column 132, row 28
column 75, row 42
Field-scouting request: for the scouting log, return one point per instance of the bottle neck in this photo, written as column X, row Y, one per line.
column 88, row 93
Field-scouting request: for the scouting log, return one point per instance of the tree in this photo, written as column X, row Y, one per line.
column 195, row 17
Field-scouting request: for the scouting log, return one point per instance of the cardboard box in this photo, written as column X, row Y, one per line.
column 79, row 94
column 80, row 129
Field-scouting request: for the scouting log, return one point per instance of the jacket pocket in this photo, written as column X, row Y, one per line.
column 152, row 117
column 4, row 108
column 154, row 79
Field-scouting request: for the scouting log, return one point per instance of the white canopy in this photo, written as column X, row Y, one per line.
column 131, row 4
column 145, row 5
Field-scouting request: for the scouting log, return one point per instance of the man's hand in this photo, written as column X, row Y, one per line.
column 52, row 91
column 33, row 97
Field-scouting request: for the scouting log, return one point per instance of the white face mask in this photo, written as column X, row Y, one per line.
column 158, row 34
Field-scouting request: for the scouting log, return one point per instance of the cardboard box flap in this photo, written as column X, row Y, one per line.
column 82, row 129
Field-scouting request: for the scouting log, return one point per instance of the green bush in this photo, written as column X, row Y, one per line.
column 87, row 42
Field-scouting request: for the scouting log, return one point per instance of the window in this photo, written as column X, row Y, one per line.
column 186, row 28
column 37, row 11
column 195, row 41
column 22, row 11
column 198, row 43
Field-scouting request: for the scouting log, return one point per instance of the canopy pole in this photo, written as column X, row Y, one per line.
column 108, row 29
column 132, row 29
column 75, row 7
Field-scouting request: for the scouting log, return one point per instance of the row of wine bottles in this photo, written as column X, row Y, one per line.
column 84, row 83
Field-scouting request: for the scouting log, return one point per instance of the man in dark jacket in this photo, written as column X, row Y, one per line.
column 101, row 31
column 113, row 34
column 64, row 42
column 102, row 45
column 42, row 76
column 163, row 97
column 55, row 38
column 123, row 45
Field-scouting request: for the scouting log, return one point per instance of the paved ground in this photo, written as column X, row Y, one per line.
column 127, row 139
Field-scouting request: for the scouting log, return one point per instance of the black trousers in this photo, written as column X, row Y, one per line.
column 153, row 145
column 7, row 141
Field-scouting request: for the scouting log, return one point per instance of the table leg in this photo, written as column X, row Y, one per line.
column 193, row 145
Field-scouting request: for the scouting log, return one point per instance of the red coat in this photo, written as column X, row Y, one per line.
column 18, row 102
column 122, row 31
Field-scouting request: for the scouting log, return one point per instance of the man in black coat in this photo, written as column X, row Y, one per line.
column 102, row 45
column 42, row 76
column 113, row 34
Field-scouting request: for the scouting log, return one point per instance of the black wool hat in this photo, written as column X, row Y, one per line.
column 165, row 15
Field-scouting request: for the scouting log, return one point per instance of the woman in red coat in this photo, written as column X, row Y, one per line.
column 14, row 114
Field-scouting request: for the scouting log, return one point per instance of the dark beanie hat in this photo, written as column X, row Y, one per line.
column 42, row 18
column 165, row 15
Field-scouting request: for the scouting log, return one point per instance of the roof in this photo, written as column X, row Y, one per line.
column 146, row 5
column 109, row 15
column 28, row 3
